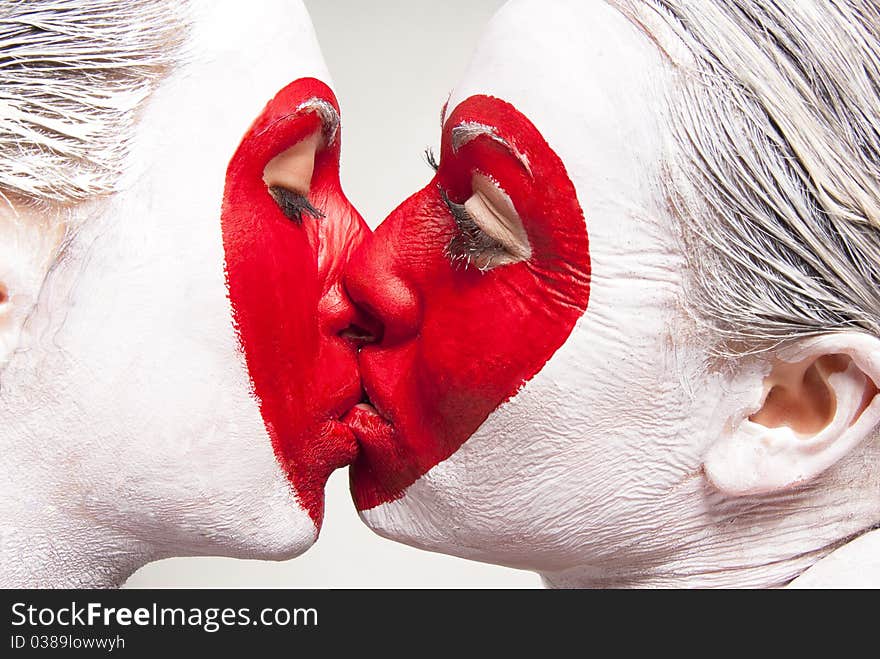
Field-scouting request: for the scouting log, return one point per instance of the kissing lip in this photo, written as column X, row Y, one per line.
column 380, row 455
column 370, row 427
column 367, row 404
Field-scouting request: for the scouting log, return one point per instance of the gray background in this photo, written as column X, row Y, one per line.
column 393, row 65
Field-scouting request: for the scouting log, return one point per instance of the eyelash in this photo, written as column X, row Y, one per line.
column 431, row 159
column 470, row 246
column 293, row 204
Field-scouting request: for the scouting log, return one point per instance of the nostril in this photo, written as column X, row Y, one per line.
column 364, row 327
column 359, row 335
column 388, row 308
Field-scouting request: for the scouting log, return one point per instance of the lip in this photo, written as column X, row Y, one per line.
column 335, row 445
column 340, row 446
column 383, row 466
column 372, row 431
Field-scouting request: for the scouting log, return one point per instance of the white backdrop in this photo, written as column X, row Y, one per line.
column 393, row 64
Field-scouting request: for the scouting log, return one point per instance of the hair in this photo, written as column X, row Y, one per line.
column 775, row 174
column 73, row 76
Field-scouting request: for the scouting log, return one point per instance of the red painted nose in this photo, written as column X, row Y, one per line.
column 389, row 310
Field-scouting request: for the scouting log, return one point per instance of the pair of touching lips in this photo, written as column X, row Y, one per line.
column 467, row 289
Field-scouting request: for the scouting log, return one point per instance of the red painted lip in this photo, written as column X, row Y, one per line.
column 369, row 427
column 377, row 446
column 285, row 288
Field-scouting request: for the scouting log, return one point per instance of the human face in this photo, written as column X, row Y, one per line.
column 533, row 413
column 202, row 337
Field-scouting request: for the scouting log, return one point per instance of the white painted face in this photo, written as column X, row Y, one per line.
column 151, row 416
column 596, row 461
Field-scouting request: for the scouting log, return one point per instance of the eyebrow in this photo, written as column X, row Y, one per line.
column 326, row 113
column 467, row 131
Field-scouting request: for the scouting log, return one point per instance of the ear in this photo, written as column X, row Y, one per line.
column 28, row 247
column 820, row 402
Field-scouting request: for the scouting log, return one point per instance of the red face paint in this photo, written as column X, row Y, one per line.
column 455, row 343
column 285, row 289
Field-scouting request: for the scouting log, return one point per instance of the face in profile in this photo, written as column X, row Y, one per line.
column 540, row 395
column 523, row 305
column 188, row 344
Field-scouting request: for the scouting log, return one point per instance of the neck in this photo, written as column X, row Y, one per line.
column 854, row 565
column 57, row 528
column 824, row 535
column 814, row 556
column 44, row 546
column 817, row 569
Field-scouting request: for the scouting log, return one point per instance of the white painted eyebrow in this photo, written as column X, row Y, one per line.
column 329, row 117
column 468, row 131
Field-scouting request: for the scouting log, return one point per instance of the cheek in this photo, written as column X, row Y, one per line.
column 272, row 276
column 275, row 290
column 480, row 337
column 485, row 334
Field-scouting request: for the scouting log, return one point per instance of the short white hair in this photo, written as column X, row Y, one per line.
column 775, row 174
column 73, row 75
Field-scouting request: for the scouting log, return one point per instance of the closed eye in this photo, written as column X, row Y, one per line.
column 489, row 231
column 288, row 178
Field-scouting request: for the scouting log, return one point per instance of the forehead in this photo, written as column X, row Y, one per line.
column 588, row 78
column 260, row 43
column 239, row 55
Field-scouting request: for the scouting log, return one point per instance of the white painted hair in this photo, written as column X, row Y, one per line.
column 73, row 75
column 776, row 170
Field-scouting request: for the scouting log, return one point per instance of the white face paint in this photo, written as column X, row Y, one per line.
column 137, row 432
column 594, row 467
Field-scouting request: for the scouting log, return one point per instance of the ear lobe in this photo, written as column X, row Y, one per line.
column 820, row 402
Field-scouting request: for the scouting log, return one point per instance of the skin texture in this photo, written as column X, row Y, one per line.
column 135, row 414
column 587, row 463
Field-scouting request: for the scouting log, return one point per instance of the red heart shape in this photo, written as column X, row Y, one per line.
column 454, row 343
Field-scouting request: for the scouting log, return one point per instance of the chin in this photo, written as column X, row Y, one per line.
column 421, row 525
column 280, row 528
column 276, row 545
column 263, row 520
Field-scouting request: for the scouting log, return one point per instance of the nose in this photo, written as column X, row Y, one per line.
column 388, row 307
